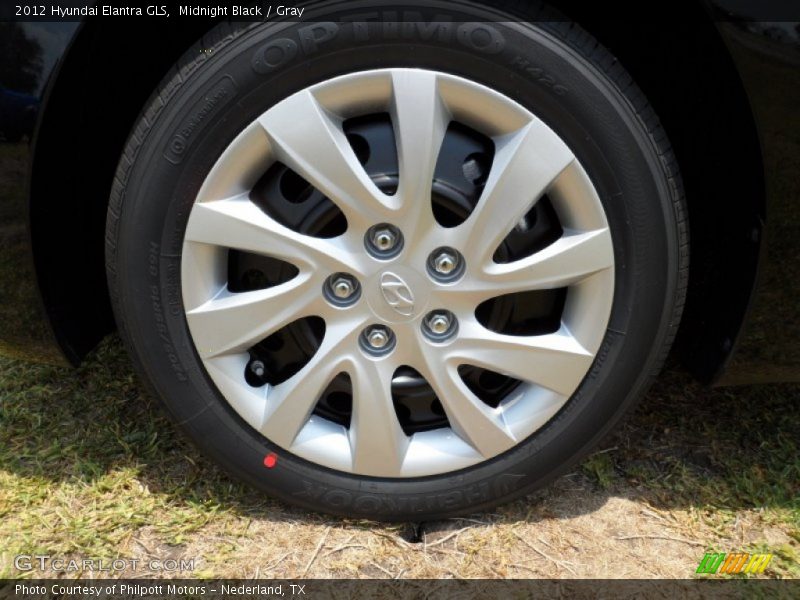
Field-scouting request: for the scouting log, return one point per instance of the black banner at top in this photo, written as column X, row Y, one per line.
column 387, row 10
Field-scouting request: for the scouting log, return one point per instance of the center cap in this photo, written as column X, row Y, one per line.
column 397, row 294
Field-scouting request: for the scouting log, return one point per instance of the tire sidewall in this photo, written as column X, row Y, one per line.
column 234, row 83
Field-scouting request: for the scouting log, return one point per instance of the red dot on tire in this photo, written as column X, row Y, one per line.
column 270, row 460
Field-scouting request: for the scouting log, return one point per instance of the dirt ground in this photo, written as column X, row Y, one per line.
column 90, row 468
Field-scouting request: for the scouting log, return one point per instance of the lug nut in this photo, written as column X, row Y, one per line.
column 440, row 324
column 445, row 263
column 384, row 240
column 341, row 289
column 377, row 340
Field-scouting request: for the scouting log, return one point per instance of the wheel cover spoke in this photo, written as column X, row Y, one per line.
column 420, row 119
column 239, row 224
column 567, row 261
column 477, row 424
column 556, row 361
column 377, row 441
column 526, row 164
column 310, row 140
column 290, row 403
column 231, row 323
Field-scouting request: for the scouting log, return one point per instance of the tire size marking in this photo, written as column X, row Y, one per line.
column 483, row 491
column 210, row 102
column 538, row 74
column 158, row 313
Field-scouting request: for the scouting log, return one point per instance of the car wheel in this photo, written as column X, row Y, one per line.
column 397, row 276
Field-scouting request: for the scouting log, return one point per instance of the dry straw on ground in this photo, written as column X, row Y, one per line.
column 90, row 468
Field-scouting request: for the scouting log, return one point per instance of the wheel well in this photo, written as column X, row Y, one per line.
column 683, row 68
column 103, row 83
column 689, row 77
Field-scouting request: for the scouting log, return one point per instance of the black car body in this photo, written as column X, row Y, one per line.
column 18, row 113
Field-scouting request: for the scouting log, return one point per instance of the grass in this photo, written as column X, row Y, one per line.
column 90, row 468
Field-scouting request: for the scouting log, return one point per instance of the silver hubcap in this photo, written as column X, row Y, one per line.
column 405, row 301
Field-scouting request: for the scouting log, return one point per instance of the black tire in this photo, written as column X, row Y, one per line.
column 557, row 71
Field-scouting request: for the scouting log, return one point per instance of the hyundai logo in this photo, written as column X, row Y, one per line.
column 397, row 294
